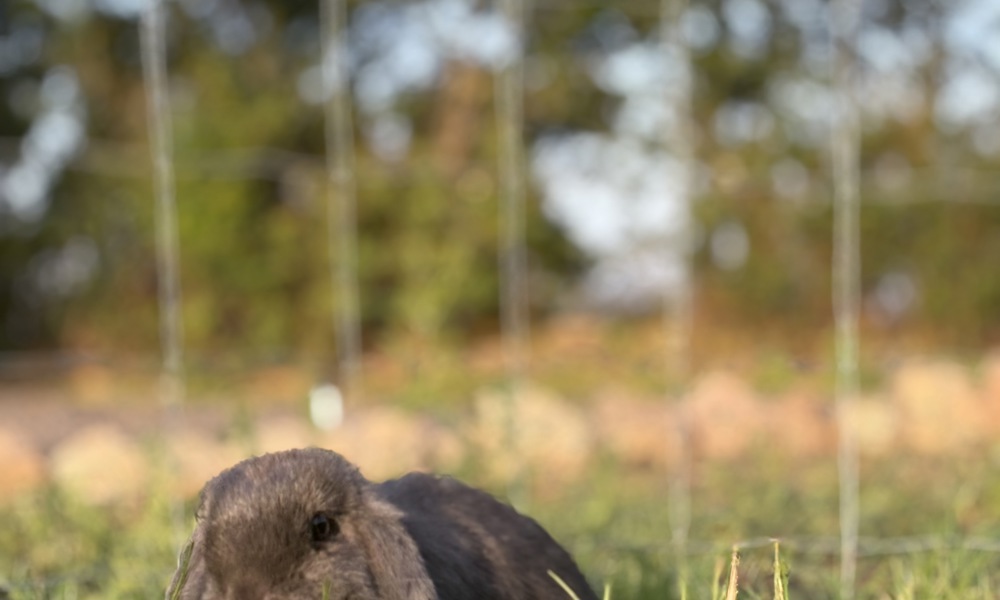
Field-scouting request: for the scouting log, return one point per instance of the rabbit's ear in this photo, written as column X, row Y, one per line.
column 393, row 556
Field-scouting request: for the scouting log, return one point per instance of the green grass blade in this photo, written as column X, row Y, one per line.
column 780, row 575
column 183, row 566
column 563, row 585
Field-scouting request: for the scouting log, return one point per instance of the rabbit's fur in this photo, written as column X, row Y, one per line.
column 420, row 537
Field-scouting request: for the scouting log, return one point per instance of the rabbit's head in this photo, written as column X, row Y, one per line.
column 299, row 524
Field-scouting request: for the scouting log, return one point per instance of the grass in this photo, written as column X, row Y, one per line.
column 183, row 566
column 569, row 591
column 615, row 523
column 54, row 547
column 732, row 585
column 621, row 534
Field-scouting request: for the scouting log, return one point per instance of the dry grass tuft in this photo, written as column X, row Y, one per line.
column 733, row 588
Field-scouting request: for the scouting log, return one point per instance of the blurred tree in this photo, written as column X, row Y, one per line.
column 76, row 256
column 253, row 218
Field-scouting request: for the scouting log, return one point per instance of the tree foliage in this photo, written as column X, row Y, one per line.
column 253, row 200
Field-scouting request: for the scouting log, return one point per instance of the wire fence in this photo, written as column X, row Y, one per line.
column 120, row 160
column 338, row 162
column 154, row 67
column 342, row 224
column 846, row 144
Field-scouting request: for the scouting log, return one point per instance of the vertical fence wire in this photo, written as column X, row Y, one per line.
column 678, row 141
column 845, row 141
column 341, row 194
column 159, row 123
column 512, row 253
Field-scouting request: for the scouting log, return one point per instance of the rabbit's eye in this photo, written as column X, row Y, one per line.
column 322, row 527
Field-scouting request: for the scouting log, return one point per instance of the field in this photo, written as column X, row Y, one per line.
column 516, row 204
column 54, row 547
column 762, row 470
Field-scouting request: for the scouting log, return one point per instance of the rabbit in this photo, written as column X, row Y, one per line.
column 305, row 524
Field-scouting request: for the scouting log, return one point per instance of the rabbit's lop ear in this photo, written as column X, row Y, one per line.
column 393, row 556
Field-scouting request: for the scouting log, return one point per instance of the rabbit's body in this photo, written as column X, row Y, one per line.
column 304, row 524
column 476, row 547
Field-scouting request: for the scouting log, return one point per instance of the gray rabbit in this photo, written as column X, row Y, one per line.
column 305, row 524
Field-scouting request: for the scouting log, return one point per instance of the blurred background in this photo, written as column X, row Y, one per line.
column 678, row 236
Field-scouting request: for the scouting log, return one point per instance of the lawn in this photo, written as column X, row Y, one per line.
column 927, row 529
